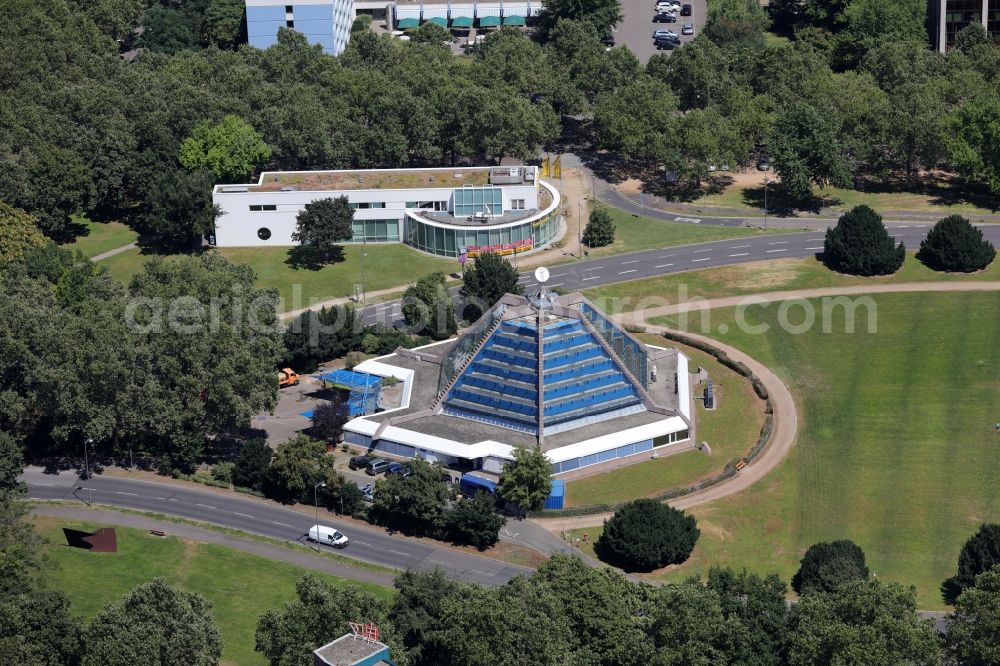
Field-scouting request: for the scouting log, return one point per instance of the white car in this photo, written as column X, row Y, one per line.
column 328, row 536
column 667, row 6
column 663, row 32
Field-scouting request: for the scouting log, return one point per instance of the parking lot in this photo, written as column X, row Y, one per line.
column 636, row 30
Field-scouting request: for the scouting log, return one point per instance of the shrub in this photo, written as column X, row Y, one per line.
column 353, row 359
column 980, row 553
column 223, row 472
column 860, row 245
column 600, row 229
column 474, row 522
column 645, row 534
column 828, row 565
column 953, row 244
column 253, row 465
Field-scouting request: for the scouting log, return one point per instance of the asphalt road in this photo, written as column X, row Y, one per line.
column 636, row 30
column 267, row 519
column 652, row 263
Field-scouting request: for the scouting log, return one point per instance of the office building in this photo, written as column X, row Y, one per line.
column 323, row 22
column 946, row 18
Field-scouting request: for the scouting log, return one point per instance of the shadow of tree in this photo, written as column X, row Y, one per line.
column 686, row 191
column 314, row 259
column 782, row 204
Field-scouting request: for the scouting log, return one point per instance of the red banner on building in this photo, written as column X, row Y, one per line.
column 501, row 249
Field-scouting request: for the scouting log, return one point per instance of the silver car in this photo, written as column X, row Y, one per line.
column 688, row 29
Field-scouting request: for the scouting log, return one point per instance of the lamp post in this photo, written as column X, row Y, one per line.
column 579, row 228
column 765, row 199
column 86, row 467
column 364, row 294
column 316, row 487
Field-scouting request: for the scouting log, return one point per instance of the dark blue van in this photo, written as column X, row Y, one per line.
column 470, row 485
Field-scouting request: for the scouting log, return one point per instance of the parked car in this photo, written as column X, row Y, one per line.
column 328, row 536
column 663, row 32
column 763, row 164
column 685, row 10
column 688, row 29
column 398, row 468
column 368, row 491
column 376, row 466
column 666, row 43
column 608, row 39
column 359, row 462
column 671, row 5
column 664, row 17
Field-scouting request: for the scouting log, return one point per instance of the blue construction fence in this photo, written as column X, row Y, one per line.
column 364, row 389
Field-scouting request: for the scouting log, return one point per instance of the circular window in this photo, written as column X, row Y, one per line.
column 263, row 233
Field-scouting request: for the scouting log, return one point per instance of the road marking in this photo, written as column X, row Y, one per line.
column 361, row 543
column 705, row 250
column 631, row 271
column 242, row 515
column 398, row 552
column 692, row 220
column 121, row 492
column 283, row 524
column 738, row 247
column 173, row 499
column 903, row 226
column 439, row 562
column 779, row 243
column 634, row 261
column 739, row 254
column 591, row 278
column 781, row 250
column 47, row 485
column 556, row 284
column 815, row 248
column 207, row 506
column 705, row 259
column 667, row 256
column 662, row 265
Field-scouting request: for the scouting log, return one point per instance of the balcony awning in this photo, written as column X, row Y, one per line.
column 489, row 22
column 513, row 20
column 437, row 20
column 407, row 23
column 461, row 22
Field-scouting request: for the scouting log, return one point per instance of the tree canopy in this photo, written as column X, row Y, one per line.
column 828, row 565
column 231, row 148
column 975, row 624
column 645, row 534
column 428, row 308
column 860, row 245
column 526, row 480
column 19, row 233
column 979, row 553
column 324, row 223
column 600, row 229
column 486, row 281
column 953, row 244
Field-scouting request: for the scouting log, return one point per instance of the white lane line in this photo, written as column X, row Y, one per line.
column 662, row 265
column 556, row 275
column 361, row 543
column 556, row 284
column 634, row 261
column 903, row 226
column 707, row 250
column 738, row 247
column 781, row 250
column 739, row 254
column 398, row 552
column 591, row 278
column 631, row 271
column 207, row 506
column 667, row 256
column 242, row 515
column 819, row 247
column 122, row 492
column 779, row 243
column 47, row 485
column 282, row 524
column 705, row 259
column 174, row 499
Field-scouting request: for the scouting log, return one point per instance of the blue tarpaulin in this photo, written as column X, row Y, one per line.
column 556, row 495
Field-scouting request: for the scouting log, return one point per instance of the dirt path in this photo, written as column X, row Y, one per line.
column 785, row 414
column 111, row 253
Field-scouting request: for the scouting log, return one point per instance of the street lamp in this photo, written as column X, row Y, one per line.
column 86, row 467
column 316, row 487
column 765, row 200
column 364, row 295
column 579, row 228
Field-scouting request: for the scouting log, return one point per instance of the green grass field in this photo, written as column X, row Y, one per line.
column 386, row 266
column 239, row 585
column 633, row 233
column 730, row 430
column 764, row 276
column 896, row 447
column 102, row 236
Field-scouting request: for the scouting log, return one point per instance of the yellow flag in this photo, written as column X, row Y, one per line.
column 545, row 167
column 557, row 167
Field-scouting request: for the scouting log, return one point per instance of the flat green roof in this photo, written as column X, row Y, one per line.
column 405, row 23
column 437, row 20
column 513, row 20
column 461, row 22
column 489, row 22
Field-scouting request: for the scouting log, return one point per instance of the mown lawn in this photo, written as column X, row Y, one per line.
column 239, row 585
column 764, row 276
column 386, row 266
column 896, row 448
column 633, row 233
column 730, row 430
column 101, row 237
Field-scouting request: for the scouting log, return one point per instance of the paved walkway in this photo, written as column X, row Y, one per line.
column 111, row 253
column 785, row 414
column 186, row 531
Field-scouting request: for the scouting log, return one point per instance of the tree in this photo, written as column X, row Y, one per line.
column 38, row 628
column 323, row 224
column 20, row 545
column 689, row 627
column 253, row 465
column 474, row 521
column 231, row 148
column 973, row 132
column 485, row 282
column 736, row 23
column 953, row 244
column 867, row 623
column 19, row 233
column 431, row 33
column 167, row 30
column 153, row 623
column 645, row 534
column 178, row 207
column 869, row 23
column 759, row 604
column 638, row 120
column 288, row 637
column 299, row 463
column 428, row 308
column 980, row 553
column 974, row 626
column 527, row 479
column 861, row 245
column 697, row 73
column 223, row 22
column 416, row 503
column 417, row 611
column 316, row 336
column 328, row 419
column 600, row 229
column 828, row 565
column 603, row 15
column 806, row 149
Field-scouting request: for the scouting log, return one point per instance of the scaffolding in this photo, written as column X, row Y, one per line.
column 364, row 389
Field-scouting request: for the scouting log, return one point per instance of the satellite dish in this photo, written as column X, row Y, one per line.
column 542, row 274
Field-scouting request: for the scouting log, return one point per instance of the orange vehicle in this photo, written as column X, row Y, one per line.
column 287, row 377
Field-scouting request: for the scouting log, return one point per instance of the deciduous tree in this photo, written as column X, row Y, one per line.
column 527, row 479
column 828, row 565
column 980, row 553
column 19, row 233
column 323, row 224
column 486, row 281
column 975, row 625
column 231, row 148
column 253, row 464
column 428, row 308
column 474, row 521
